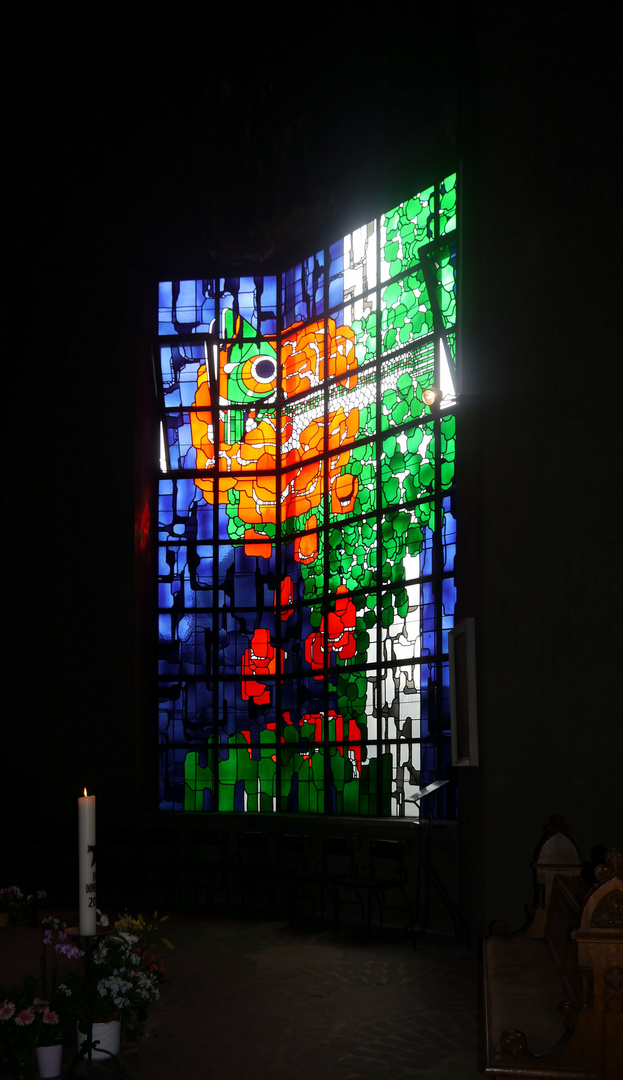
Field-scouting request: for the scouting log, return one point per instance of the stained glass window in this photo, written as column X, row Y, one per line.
column 306, row 529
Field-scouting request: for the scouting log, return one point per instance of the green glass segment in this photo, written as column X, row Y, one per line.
column 352, row 556
column 405, row 311
column 445, row 292
column 364, row 327
column 404, row 378
column 447, row 447
column 447, row 205
column 405, row 230
column 249, row 374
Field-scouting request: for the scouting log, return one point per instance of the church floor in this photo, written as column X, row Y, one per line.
column 258, row 999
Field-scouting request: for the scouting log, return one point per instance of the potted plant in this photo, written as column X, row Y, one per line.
column 31, row 1023
column 12, row 904
column 121, row 980
column 52, row 1016
column 18, row 1027
column 149, row 972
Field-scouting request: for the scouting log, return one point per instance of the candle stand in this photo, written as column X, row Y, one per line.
column 85, row 1053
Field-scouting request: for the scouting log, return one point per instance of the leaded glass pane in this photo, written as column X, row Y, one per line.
column 306, row 530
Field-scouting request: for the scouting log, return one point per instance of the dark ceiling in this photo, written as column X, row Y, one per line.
column 226, row 137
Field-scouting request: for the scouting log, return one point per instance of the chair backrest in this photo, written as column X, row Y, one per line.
column 339, row 856
column 254, row 849
column 207, row 846
column 387, row 860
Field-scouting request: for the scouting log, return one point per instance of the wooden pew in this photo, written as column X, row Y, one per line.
column 553, row 994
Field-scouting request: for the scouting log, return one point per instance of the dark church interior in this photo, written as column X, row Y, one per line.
column 147, row 147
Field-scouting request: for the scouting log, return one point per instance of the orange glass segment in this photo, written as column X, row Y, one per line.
column 257, row 550
column 306, row 354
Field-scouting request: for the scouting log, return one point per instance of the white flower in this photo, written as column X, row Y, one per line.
column 130, row 938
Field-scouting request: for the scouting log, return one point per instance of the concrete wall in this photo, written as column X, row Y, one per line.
column 539, row 481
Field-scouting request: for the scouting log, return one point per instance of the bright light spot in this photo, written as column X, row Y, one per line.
column 163, row 453
column 446, row 383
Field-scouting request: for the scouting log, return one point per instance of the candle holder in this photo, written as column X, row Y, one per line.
column 85, row 1054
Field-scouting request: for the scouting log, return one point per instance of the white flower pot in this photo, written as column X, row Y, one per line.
column 49, row 1060
column 107, row 1036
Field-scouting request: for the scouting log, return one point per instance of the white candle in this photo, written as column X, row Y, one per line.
column 86, row 864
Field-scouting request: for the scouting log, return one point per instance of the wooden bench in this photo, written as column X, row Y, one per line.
column 553, row 994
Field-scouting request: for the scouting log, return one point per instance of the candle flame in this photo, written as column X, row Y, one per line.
column 85, row 792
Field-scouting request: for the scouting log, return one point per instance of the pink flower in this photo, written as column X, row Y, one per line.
column 25, row 1017
column 7, row 1010
column 50, row 1017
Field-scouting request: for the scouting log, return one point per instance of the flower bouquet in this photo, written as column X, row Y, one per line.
column 18, row 1028
column 28, row 1021
column 148, row 972
column 12, row 904
column 123, row 977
